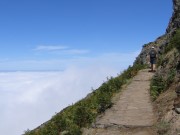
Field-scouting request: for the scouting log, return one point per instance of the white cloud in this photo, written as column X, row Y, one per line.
column 75, row 51
column 50, row 48
column 117, row 60
column 61, row 50
column 27, row 99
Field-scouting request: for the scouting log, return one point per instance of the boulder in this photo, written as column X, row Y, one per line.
column 177, row 110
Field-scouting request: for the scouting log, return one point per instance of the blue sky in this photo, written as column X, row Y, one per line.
column 87, row 40
column 49, row 35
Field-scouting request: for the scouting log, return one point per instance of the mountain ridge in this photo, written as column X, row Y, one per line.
column 164, row 85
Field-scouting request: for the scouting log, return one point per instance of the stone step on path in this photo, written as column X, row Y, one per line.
column 137, row 131
column 132, row 112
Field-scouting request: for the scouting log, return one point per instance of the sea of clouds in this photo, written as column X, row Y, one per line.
column 28, row 99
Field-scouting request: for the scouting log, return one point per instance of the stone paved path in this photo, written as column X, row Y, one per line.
column 132, row 113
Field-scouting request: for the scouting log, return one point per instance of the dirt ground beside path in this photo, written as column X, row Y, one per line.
column 132, row 112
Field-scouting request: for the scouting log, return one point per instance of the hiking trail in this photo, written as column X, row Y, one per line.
column 132, row 112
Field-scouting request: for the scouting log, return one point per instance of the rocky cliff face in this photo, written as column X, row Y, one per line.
column 175, row 19
column 159, row 44
column 163, row 40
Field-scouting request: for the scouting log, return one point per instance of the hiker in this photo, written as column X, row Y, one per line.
column 153, row 56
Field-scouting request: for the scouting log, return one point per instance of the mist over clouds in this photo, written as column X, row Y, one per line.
column 28, row 99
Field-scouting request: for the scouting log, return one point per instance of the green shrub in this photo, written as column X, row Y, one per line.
column 170, row 77
column 70, row 120
column 83, row 115
column 168, row 48
column 51, row 129
column 62, row 121
column 163, row 127
column 104, row 102
column 159, row 60
column 176, row 40
column 160, row 83
column 157, row 86
column 28, row 132
column 73, row 130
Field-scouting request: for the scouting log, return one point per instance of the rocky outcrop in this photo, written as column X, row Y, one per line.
column 159, row 45
column 162, row 41
column 175, row 19
column 168, row 102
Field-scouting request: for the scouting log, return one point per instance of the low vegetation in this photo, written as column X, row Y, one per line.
column 163, row 128
column 161, row 82
column 157, row 86
column 82, row 114
column 72, row 119
column 174, row 42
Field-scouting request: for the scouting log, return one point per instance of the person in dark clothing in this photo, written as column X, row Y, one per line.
column 153, row 57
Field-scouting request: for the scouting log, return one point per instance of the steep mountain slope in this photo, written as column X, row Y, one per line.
column 165, row 85
column 132, row 111
column 165, row 89
column 175, row 19
column 82, row 114
column 161, row 42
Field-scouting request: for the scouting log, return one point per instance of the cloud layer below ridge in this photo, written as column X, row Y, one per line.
column 27, row 99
